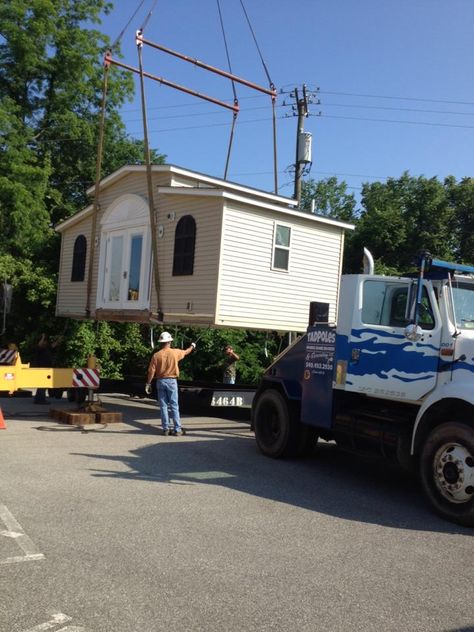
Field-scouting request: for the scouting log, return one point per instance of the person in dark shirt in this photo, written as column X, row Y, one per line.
column 42, row 359
column 229, row 369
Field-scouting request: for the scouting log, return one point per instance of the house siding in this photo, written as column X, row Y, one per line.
column 72, row 296
column 232, row 284
column 253, row 295
column 199, row 289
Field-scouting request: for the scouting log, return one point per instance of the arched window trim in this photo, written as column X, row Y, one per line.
column 184, row 246
column 79, row 259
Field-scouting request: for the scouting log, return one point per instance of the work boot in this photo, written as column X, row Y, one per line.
column 179, row 433
column 167, row 432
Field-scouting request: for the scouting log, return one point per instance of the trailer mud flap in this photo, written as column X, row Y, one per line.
column 318, row 375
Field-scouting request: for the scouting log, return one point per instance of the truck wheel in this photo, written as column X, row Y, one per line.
column 447, row 471
column 277, row 434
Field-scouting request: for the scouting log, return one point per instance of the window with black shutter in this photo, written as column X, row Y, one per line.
column 184, row 242
column 79, row 259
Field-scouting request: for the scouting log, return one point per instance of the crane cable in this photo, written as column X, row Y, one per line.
column 272, row 87
column 142, row 28
column 122, row 32
column 236, row 100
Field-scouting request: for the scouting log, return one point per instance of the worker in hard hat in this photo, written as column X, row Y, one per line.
column 164, row 367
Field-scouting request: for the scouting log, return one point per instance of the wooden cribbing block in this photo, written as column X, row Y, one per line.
column 80, row 419
column 108, row 418
column 59, row 415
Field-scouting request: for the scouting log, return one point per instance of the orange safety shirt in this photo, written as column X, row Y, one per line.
column 164, row 363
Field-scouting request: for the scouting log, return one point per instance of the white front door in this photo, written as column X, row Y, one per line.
column 126, row 273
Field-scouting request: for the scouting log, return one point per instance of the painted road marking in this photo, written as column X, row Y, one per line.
column 57, row 619
column 15, row 531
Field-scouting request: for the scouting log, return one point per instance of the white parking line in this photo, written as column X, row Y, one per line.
column 57, row 618
column 15, row 531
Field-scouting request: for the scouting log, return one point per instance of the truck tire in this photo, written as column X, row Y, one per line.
column 277, row 432
column 447, row 471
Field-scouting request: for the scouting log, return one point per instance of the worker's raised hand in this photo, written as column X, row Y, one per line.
column 148, row 389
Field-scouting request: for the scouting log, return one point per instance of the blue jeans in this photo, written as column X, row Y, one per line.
column 168, row 396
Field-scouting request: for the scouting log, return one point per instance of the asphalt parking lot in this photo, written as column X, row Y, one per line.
column 119, row 529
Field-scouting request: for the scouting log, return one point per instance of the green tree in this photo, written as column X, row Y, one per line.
column 331, row 199
column 400, row 218
column 461, row 196
column 51, row 76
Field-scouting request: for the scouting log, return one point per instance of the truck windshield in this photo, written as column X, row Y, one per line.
column 463, row 297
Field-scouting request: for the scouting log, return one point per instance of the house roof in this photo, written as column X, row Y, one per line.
column 215, row 187
column 245, row 200
column 201, row 177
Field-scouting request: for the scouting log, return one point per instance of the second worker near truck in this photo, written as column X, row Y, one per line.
column 164, row 367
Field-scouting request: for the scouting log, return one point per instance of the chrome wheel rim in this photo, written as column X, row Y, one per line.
column 453, row 468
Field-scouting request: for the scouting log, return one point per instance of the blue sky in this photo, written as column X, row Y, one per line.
column 411, row 59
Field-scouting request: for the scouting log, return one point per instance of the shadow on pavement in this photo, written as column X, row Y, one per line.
column 331, row 482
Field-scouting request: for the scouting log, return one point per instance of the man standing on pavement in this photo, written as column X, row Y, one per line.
column 164, row 367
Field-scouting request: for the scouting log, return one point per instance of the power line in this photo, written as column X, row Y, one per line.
column 381, row 96
column 343, row 105
column 374, row 120
column 397, row 109
column 322, row 116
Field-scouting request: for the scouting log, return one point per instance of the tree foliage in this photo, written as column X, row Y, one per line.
column 51, row 78
column 330, row 198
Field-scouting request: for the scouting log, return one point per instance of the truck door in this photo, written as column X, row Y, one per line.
column 381, row 361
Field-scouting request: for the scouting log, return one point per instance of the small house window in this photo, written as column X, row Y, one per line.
column 281, row 247
column 184, row 243
column 79, row 259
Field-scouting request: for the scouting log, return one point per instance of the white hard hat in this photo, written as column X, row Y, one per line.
column 165, row 337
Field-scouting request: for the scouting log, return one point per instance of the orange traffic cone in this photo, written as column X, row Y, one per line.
column 2, row 421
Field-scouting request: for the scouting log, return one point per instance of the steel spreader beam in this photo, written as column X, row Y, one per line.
column 109, row 60
column 223, row 73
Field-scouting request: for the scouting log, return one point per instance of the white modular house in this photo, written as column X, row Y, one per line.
column 228, row 255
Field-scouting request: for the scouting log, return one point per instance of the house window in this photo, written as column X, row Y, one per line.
column 281, row 247
column 79, row 259
column 184, row 242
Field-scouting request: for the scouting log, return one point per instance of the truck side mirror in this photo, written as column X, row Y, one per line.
column 413, row 332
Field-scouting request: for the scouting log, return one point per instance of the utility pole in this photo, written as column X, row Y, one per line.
column 303, row 140
column 302, row 109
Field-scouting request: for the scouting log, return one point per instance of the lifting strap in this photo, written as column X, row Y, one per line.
column 95, row 207
column 151, row 203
